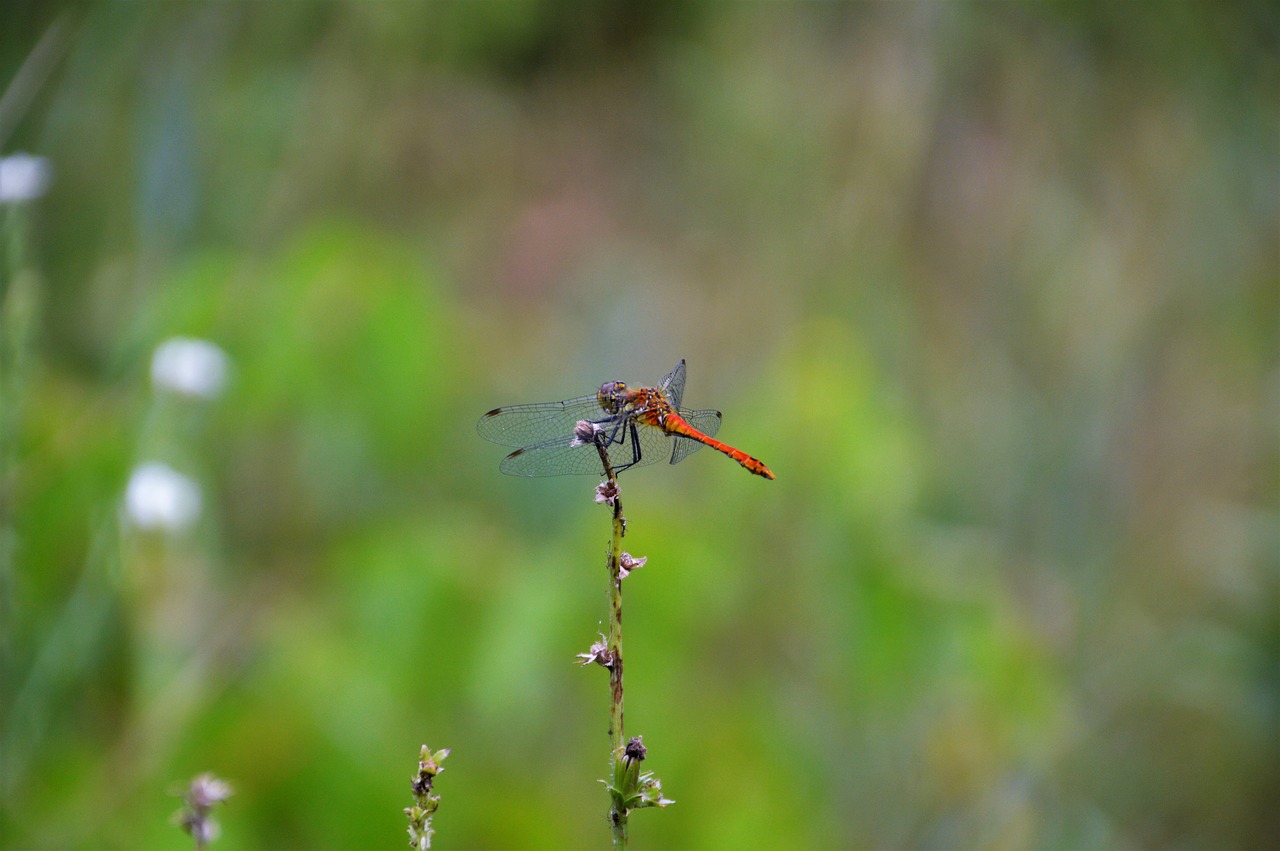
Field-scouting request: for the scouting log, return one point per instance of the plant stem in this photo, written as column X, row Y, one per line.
column 617, row 738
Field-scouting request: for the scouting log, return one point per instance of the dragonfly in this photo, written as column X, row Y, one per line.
column 636, row 426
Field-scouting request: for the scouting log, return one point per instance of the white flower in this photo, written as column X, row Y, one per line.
column 191, row 367
column 160, row 498
column 23, row 177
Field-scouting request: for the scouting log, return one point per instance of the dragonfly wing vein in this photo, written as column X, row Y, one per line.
column 524, row 425
column 558, row 457
column 672, row 385
column 707, row 422
column 552, row 458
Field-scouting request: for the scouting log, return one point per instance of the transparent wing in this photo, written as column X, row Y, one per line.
column 672, row 385
column 543, row 433
column 524, row 425
column 707, row 422
column 633, row 445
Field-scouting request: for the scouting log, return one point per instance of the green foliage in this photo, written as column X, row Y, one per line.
column 991, row 289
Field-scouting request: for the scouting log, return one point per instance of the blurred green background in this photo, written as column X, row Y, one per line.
column 992, row 288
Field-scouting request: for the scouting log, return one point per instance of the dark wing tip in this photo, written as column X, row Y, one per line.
column 514, row 454
column 492, row 413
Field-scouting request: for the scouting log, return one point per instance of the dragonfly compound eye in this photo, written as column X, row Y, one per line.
column 612, row 395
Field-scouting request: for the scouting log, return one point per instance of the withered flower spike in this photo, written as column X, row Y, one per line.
column 635, row 750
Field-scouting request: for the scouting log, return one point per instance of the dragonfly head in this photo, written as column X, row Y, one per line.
column 612, row 396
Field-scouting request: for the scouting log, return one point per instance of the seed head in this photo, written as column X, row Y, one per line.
column 584, row 433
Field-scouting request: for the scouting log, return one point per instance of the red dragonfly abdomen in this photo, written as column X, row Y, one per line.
column 673, row 423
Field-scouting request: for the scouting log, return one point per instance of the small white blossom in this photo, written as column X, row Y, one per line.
column 160, row 498
column 191, row 367
column 207, row 790
column 23, row 177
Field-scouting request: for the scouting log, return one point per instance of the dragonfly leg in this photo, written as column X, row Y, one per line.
column 626, row 427
column 635, row 447
column 612, row 436
column 615, row 432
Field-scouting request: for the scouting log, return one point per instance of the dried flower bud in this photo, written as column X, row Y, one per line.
column 599, row 654
column 635, row 751
column 584, row 433
column 422, row 783
column 628, row 563
column 607, row 492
